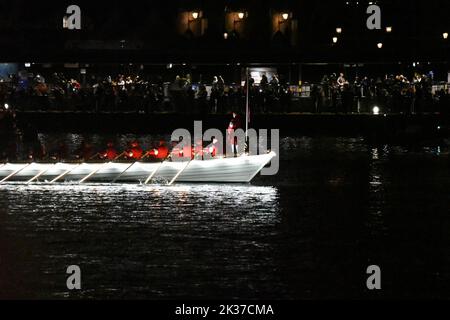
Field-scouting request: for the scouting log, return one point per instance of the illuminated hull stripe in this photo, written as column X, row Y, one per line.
column 240, row 169
column 14, row 173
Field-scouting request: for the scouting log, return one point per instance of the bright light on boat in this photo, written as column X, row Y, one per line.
column 376, row 110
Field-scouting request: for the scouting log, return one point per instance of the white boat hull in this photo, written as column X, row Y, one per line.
column 234, row 170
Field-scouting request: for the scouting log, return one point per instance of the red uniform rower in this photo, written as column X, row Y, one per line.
column 162, row 151
column 110, row 153
column 212, row 149
column 135, row 152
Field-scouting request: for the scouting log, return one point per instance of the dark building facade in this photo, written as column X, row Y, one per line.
column 225, row 31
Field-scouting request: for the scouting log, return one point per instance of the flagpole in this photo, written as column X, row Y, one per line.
column 246, row 106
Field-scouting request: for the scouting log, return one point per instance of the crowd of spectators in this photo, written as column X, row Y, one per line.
column 60, row 93
column 134, row 93
column 393, row 93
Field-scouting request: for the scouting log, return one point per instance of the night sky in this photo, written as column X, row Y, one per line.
column 149, row 31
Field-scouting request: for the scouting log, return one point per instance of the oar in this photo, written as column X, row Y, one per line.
column 120, row 174
column 94, row 172
column 142, row 158
column 66, row 173
column 39, row 174
column 150, row 177
column 145, row 155
column 95, row 155
column 179, row 172
column 97, row 170
column 15, row 172
column 119, row 156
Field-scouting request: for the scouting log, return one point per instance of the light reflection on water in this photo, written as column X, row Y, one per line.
column 377, row 190
column 166, row 234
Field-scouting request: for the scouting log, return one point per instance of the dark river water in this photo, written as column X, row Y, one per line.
column 336, row 206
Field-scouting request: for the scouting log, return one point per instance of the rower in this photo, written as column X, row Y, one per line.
column 212, row 149
column 235, row 123
column 135, row 152
column 110, row 153
column 152, row 154
column 184, row 152
column 162, row 151
column 197, row 149
column 187, row 152
column 85, row 151
column 60, row 153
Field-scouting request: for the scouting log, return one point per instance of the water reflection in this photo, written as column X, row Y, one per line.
column 377, row 190
column 170, row 237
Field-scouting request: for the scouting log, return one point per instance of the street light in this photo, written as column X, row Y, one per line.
column 335, row 39
column 240, row 16
column 284, row 17
column 380, row 45
column 338, row 30
column 194, row 15
column 445, row 35
column 388, row 29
